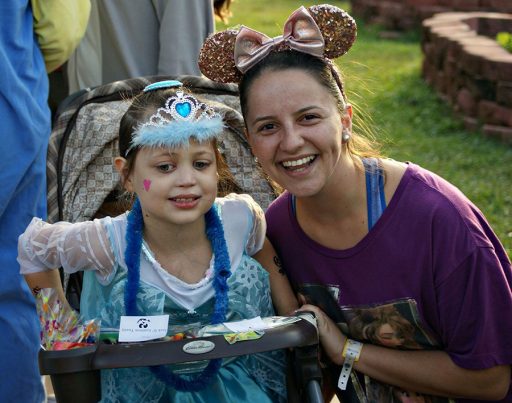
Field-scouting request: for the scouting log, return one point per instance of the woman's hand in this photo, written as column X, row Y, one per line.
column 429, row 372
column 331, row 337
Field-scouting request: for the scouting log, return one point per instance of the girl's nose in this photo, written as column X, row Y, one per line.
column 186, row 176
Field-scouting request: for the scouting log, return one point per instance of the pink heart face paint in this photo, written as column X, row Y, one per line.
column 147, row 184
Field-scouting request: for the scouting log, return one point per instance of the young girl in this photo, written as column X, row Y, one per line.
column 179, row 251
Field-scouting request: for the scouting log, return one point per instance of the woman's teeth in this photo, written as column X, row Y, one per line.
column 296, row 163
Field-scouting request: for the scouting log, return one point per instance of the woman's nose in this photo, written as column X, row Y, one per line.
column 291, row 139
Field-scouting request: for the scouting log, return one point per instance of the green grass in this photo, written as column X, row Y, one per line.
column 505, row 40
column 383, row 80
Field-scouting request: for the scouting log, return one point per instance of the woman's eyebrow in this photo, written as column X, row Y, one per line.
column 260, row 118
column 307, row 108
column 301, row 110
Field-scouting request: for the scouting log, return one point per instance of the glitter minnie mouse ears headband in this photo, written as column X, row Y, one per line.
column 322, row 31
column 182, row 118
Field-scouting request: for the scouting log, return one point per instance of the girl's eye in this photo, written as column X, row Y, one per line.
column 164, row 167
column 202, row 164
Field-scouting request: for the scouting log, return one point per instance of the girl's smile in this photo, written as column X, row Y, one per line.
column 176, row 186
column 186, row 201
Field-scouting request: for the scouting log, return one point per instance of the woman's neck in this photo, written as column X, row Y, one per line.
column 336, row 217
column 343, row 195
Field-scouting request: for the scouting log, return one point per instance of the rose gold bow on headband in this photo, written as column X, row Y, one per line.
column 300, row 33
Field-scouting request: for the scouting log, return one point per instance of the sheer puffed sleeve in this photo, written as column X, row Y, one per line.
column 250, row 220
column 259, row 227
column 73, row 246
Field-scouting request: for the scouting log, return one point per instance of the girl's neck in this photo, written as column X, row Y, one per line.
column 168, row 237
column 182, row 250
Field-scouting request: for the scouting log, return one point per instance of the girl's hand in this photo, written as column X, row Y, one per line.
column 331, row 337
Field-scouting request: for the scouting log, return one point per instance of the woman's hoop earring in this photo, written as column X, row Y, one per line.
column 345, row 136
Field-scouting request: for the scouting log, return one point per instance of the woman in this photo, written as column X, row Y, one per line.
column 367, row 231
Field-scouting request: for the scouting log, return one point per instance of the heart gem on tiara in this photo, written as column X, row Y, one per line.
column 183, row 108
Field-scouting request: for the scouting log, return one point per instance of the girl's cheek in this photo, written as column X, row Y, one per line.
column 147, row 184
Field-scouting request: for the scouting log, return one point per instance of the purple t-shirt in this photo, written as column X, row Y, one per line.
column 430, row 274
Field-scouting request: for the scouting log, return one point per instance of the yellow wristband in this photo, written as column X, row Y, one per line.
column 351, row 353
column 352, row 346
column 344, row 350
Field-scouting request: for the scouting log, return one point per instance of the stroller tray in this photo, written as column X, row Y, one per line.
column 75, row 373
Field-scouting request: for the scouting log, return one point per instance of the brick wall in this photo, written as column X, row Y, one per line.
column 408, row 14
column 469, row 69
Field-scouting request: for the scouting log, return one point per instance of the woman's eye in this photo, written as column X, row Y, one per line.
column 164, row 167
column 202, row 164
column 267, row 127
column 309, row 117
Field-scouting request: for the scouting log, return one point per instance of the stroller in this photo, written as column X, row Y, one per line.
column 82, row 185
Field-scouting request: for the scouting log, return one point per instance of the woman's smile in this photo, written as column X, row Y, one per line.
column 298, row 164
column 297, row 139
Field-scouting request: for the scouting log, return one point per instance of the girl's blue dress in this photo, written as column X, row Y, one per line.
column 255, row 378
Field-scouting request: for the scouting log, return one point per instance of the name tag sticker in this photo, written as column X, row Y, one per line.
column 143, row 328
column 246, row 325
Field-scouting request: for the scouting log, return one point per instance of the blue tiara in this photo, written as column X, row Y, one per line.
column 183, row 118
